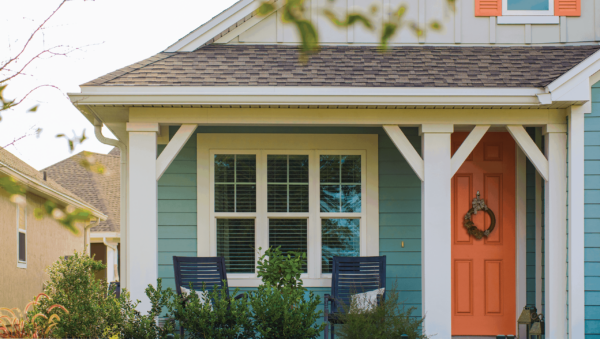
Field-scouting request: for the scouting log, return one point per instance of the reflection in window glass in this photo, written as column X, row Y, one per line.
column 235, row 183
column 235, row 242
column 340, row 238
column 287, row 183
column 290, row 234
column 527, row 5
column 340, row 177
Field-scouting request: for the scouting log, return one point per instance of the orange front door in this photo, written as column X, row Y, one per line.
column 483, row 271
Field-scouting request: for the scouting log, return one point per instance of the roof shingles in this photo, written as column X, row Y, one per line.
column 350, row 66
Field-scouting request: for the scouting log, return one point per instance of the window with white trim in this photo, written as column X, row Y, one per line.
column 21, row 236
column 265, row 190
column 528, row 7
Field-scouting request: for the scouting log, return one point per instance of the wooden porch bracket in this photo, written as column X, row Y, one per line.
column 467, row 147
column 173, row 148
column 406, row 148
column 530, row 149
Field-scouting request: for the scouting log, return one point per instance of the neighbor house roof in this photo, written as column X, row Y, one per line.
column 101, row 190
column 34, row 181
column 342, row 66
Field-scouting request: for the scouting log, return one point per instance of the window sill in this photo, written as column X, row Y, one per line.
column 255, row 282
column 21, row 265
column 528, row 19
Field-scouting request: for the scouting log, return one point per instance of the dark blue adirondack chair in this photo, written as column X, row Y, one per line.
column 351, row 275
column 200, row 272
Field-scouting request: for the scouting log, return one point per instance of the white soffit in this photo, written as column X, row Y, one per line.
column 270, row 95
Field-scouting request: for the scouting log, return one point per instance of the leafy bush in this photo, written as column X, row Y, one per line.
column 93, row 311
column 16, row 324
column 279, row 270
column 139, row 326
column 285, row 313
column 221, row 318
column 279, row 306
column 388, row 320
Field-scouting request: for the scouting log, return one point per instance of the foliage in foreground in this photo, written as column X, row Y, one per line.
column 388, row 320
column 17, row 324
column 93, row 311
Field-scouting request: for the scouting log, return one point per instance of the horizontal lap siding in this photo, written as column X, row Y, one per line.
column 592, row 217
column 177, row 210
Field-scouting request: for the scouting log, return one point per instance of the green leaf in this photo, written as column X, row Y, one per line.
column 34, row 108
column 265, row 8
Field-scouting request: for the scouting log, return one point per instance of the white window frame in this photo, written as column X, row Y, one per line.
column 312, row 145
column 507, row 12
column 22, row 264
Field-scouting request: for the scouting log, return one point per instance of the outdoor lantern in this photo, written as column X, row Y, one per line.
column 525, row 317
column 538, row 326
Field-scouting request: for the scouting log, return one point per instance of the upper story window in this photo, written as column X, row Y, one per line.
column 528, row 7
column 21, row 236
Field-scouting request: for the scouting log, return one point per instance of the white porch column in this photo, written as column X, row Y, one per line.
column 576, row 223
column 436, row 228
column 555, row 231
column 142, row 239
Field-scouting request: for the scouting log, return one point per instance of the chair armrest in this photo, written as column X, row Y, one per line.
column 327, row 298
column 239, row 296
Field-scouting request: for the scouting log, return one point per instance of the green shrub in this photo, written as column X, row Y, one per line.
column 93, row 311
column 136, row 325
column 221, row 318
column 279, row 306
column 388, row 320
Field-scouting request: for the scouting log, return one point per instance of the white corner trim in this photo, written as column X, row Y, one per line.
column 467, row 147
column 528, row 146
column 406, row 148
column 249, row 24
column 216, row 25
column 173, row 148
column 528, row 19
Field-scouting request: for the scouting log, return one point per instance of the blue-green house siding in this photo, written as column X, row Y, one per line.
column 592, row 217
column 531, row 258
column 399, row 208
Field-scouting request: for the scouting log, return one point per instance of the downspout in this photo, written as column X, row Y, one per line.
column 116, row 255
column 86, row 237
column 123, row 189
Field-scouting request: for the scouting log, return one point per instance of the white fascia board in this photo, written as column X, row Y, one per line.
column 271, row 95
column 216, row 25
column 568, row 86
column 48, row 192
column 248, row 24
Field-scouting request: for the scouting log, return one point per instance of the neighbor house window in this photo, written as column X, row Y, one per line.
column 528, row 7
column 21, row 236
column 305, row 194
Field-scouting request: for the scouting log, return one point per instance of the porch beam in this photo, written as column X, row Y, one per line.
column 467, row 147
column 142, row 239
column 539, row 183
column 555, row 231
column 173, row 148
column 436, row 219
column 406, row 148
column 294, row 116
column 528, row 146
column 576, row 223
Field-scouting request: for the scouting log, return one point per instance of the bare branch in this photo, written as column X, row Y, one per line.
column 32, row 36
column 15, row 103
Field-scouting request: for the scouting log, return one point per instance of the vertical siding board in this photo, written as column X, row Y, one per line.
column 592, row 217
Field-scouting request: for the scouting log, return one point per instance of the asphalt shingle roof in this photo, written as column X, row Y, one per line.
column 349, row 66
column 100, row 190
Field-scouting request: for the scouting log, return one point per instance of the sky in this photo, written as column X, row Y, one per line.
column 97, row 37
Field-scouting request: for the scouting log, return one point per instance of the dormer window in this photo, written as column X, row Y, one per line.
column 527, row 7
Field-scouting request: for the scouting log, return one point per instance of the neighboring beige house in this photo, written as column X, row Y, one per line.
column 29, row 245
column 102, row 191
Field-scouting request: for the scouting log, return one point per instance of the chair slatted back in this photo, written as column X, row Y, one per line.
column 208, row 271
column 352, row 275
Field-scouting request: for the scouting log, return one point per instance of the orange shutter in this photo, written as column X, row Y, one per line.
column 491, row 7
column 567, row 7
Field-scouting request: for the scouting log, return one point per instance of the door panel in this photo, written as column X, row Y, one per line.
column 483, row 272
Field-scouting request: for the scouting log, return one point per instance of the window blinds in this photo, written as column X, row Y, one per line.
column 235, row 242
column 290, row 234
